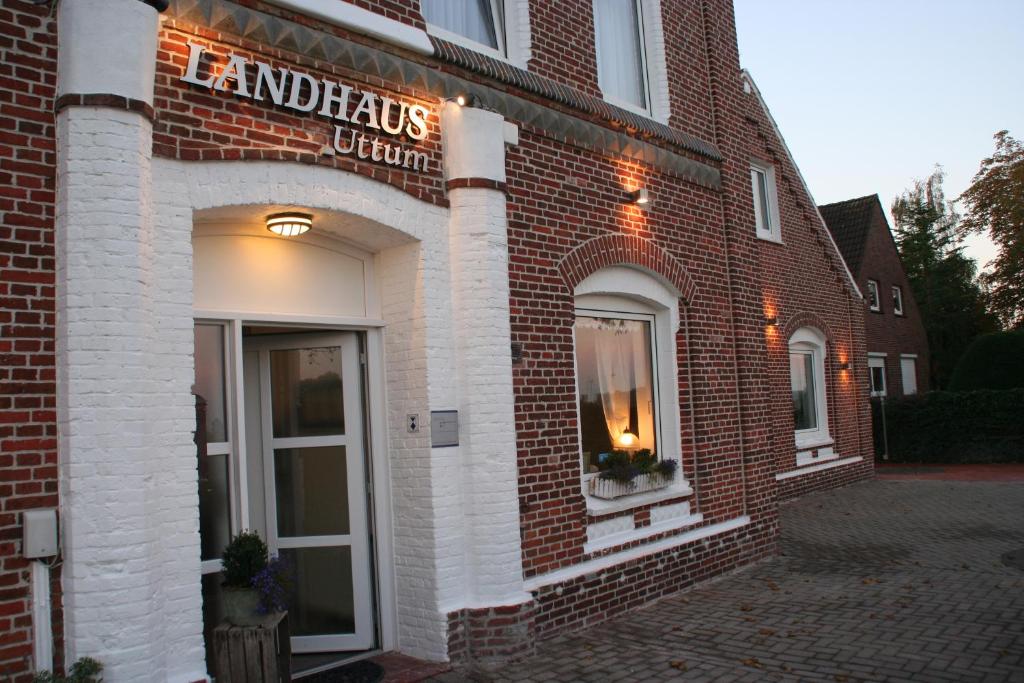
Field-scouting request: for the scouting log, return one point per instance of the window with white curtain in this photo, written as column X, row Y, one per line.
column 621, row 54
column 807, row 351
column 908, row 372
column 480, row 21
column 615, row 374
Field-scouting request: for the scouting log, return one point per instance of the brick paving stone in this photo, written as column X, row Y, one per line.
column 881, row 581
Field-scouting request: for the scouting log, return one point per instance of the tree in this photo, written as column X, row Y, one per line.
column 995, row 204
column 943, row 280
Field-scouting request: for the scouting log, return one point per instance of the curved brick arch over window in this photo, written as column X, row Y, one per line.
column 618, row 250
column 808, row 320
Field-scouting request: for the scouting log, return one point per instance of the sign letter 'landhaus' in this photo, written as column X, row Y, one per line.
column 285, row 88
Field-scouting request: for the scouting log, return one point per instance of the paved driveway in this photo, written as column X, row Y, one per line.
column 887, row 580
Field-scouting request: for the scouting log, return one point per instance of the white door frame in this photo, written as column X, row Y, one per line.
column 377, row 440
column 352, row 440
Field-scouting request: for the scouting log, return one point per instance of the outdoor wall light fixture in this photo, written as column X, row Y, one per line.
column 464, row 100
column 640, row 196
column 289, row 224
column 845, row 365
column 771, row 321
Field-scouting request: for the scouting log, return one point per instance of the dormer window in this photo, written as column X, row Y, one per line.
column 481, row 22
column 897, row 301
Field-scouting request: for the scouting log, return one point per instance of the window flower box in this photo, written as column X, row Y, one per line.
column 609, row 489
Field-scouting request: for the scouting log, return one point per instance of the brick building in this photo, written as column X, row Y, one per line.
column 427, row 276
column 897, row 345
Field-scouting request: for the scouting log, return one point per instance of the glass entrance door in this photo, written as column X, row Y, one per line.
column 311, row 409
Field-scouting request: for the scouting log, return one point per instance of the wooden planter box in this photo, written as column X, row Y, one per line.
column 253, row 654
column 609, row 489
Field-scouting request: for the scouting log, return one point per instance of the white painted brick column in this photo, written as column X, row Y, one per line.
column 474, row 148
column 129, row 503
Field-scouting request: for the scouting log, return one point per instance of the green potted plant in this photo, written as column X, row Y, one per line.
column 244, row 557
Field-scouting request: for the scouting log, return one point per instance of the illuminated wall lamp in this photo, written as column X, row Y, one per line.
column 845, row 365
column 289, row 224
column 640, row 196
column 771, row 321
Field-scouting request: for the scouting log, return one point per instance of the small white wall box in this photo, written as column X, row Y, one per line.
column 444, row 428
column 38, row 533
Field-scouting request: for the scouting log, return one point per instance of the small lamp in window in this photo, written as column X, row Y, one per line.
column 626, row 439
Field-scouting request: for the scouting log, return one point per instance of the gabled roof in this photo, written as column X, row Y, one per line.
column 820, row 223
column 850, row 222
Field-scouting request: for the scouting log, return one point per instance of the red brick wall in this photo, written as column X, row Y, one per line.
column 805, row 284
column 201, row 124
column 887, row 332
column 28, row 431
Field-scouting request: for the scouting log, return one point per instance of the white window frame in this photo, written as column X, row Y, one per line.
column 874, row 296
column 877, row 360
column 904, row 358
column 652, row 61
column 621, row 291
column 772, row 232
column 897, row 300
column 225, row 448
column 808, row 340
column 511, row 27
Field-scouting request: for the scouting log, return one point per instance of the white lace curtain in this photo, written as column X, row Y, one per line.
column 620, row 69
column 470, row 18
column 617, row 350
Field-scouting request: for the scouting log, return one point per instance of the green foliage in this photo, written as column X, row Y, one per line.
column 957, row 427
column 992, row 361
column 995, row 204
column 244, row 557
column 624, row 467
column 85, row 670
column 943, row 280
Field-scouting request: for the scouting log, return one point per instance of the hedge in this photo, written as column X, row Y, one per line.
column 992, row 361
column 956, row 427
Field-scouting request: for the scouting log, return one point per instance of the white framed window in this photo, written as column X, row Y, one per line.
column 874, row 302
column 897, row 300
column 908, row 374
column 807, row 353
column 627, row 370
column 766, row 204
column 497, row 28
column 876, row 370
column 622, row 53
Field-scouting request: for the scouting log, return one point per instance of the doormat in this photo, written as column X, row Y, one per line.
column 363, row 671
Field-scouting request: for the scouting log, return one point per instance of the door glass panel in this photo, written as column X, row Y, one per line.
column 214, row 511
column 209, row 359
column 321, row 602
column 307, row 395
column 312, row 491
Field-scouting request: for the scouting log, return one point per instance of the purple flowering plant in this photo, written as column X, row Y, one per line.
column 274, row 584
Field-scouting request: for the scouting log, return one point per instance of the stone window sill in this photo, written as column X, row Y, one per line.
column 597, row 507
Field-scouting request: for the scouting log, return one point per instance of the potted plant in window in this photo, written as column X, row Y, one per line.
column 623, row 473
column 254, row 585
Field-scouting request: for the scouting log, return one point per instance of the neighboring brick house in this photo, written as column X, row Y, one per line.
column 897, row 344
column 395, row 293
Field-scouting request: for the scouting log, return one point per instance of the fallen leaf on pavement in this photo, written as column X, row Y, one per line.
column 679, row 664
column 753, row 661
